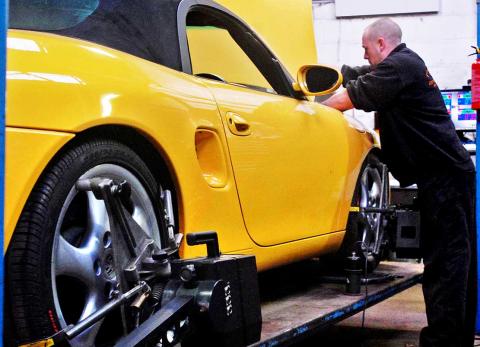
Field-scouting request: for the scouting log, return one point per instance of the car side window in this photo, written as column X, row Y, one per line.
column 232, row 50
column 214, row 54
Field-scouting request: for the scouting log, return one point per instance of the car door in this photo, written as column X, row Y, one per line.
column 287, row 154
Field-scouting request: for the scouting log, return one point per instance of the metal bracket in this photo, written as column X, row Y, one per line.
column 130, row 243
column 156, row 327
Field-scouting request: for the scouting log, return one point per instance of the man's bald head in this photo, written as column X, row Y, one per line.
column 379, row 39
column 386, row 28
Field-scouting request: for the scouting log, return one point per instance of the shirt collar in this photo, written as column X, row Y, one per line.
column 399, row 48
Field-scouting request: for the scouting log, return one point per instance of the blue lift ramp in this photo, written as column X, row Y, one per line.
column 297, row 302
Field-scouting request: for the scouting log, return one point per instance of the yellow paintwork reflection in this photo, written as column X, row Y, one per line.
column 106, row 102
column 295, row 170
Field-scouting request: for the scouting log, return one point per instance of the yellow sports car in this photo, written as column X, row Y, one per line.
column 123, row 89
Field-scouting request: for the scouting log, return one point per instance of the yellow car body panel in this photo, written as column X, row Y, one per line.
column 65, row 86
column 28, row 152
column 274, row 256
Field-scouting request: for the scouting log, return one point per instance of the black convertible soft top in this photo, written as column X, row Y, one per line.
column 145, row 28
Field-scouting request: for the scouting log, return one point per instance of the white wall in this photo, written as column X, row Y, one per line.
column 442, row 39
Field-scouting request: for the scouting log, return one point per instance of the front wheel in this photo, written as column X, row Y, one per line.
column 365, row 232
column 60, row 266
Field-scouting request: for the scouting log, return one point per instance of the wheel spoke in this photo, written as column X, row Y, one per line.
column 375, row 188
column 74, row 262
column 138, row 216
column 97, row 225
column 87, row 338
column 97, row 215
column 365, row 188
column 94, row 302
column 375, row 191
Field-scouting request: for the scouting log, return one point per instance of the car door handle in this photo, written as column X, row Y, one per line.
column 237, row 125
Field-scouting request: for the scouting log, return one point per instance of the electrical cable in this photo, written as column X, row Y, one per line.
column 365, row 255
column 364, row 251
column 366, row 293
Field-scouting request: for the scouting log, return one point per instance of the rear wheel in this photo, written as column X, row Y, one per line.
column 60, row 266
column 365, row 233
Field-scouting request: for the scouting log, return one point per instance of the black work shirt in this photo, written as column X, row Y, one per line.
column 417, row 135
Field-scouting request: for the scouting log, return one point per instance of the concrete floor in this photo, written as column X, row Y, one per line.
column 392, row 323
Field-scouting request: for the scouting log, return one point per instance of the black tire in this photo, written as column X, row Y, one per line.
column 357, row 238
column 41, row 298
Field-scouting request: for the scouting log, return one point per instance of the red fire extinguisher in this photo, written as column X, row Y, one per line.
column 476, row 80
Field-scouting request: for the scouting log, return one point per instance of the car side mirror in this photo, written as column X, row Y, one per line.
column 317, row 80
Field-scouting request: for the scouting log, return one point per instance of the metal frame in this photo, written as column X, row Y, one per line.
column 3, row 47
column 303, row 328
column 477, row 184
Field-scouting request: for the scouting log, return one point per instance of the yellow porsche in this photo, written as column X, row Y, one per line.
column 124, row 90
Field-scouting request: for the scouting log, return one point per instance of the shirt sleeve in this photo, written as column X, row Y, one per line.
column 375, row 90
column 352, row 73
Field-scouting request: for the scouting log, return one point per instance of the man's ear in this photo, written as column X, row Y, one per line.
column 381, row 43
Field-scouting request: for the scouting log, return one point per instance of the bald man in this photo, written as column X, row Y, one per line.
column 420, row 145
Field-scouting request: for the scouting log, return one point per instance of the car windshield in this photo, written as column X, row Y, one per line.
column 49, row 14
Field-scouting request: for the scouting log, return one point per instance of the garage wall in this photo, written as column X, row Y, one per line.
column 442, row 38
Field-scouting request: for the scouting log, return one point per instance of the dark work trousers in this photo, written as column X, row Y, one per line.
column 448, row 236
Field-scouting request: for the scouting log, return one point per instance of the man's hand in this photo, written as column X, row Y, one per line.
column 341, row 101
